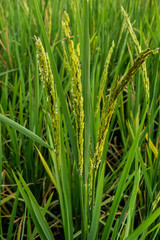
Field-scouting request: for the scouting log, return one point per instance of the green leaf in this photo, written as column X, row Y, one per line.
column 122, row 181
column 47, row 168
column 144, row 225
column 23, row 130
column 12, row 70
column 44, row 210
column 34, row 209
column 11, row 223
column 97, row 207
column 0, row 177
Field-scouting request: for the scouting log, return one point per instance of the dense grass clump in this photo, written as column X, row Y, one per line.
column 79, row 121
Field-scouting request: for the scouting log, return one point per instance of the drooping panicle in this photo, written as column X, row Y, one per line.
column 48, row 81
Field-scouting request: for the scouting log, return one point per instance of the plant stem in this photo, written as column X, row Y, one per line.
column 86, row 96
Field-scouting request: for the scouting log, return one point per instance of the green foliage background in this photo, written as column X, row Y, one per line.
column 133, row 135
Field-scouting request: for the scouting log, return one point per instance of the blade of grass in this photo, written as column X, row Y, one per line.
column 146, row 177
column 27, row 201
column 140, row 229
column 20, row 70
column 11, row 223
column 132, row 203
column 59, row 188
column 2, row 237
column 47, row 168
column 15, row 92
column 28, row 226
column 66, row 191
column 121, row 184
column 12, row 70
column 5, row 93
column 34, row 209
column 157, row 18
column 23, row 225
column 97, row 207
column 155, row 233
column 0, row 179
column 44, row 210
column 23, row 130
column 14, row 139
column 114, row 234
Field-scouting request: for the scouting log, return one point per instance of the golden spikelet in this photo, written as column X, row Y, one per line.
column 108, row 109
column 47, row 78
column 76, row 89
column 104, row 78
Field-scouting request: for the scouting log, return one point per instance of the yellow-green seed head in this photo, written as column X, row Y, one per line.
column 76, row 88
column 47, row 77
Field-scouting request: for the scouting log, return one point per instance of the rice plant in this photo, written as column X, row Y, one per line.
column 79, row 120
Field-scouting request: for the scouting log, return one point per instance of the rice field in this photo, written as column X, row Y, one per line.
column 79, row 119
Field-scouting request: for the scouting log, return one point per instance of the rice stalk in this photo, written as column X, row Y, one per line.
column 91, row 176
